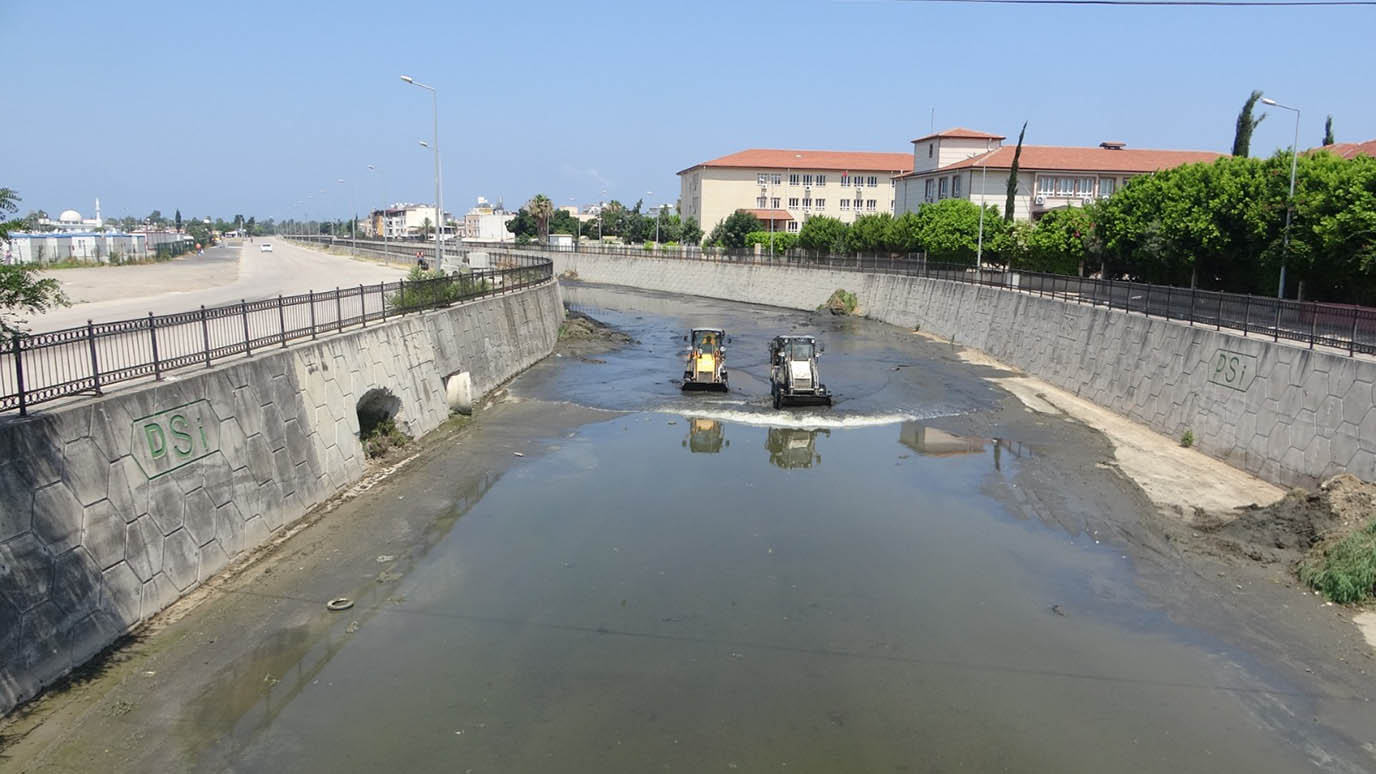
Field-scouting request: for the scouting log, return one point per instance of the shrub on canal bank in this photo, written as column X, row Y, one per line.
column 841, row 302
column 1345, row 571
column 383, row 437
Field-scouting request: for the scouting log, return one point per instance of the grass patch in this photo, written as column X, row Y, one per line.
column 382, row 438
column 1344, row 571
column 1187, row 440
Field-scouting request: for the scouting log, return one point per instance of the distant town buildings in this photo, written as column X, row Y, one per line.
column 406, row 221
column 968, row 164
column 782, row 187
column 486, row 222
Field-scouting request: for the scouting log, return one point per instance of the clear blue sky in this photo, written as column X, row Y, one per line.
column 246, row 107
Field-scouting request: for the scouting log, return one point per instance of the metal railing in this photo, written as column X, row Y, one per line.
column 41, row 367
column 1345, row 327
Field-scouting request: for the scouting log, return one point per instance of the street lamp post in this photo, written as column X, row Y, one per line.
column 1290, row 203
column 372, row 168
column 648, row 194
column 353, row 221
column 435, row 144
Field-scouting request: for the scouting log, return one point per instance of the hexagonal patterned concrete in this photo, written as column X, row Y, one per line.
column 143, row 548
column 103, row 533
column 180, row 559
column 27, row 569
column 57, row 517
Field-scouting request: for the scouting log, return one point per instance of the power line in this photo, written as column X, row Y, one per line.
column 1182, row 3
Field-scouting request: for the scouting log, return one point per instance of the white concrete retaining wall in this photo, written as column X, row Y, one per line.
column 1287, row 414
column 112, row 508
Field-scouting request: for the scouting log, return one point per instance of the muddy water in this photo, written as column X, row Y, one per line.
column 702, row 584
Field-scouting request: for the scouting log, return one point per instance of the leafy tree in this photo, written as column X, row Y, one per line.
column 542, row 209
column 199, row 232
column 20, row 290
column 1242, row 137
column 905, row 233
column 823, row 233
column 427, row 227
column 691, row 232
column 523, row 225
column 252, row 225
column 1013, row 177
column 178, row 220
column 1060, row 242
column 869, row 233
column 782, row 240
column 731, row 232
column 155, row 218
column 564, row 223
column 949, row 230
column 1328, row 131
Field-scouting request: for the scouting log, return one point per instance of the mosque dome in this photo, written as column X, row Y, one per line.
column 69, row 216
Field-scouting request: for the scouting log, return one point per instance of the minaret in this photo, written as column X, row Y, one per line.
column 98, row 221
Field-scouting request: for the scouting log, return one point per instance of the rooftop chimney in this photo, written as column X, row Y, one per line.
column 1111, row 145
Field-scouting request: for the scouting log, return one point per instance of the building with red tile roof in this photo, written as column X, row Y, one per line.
column 966, row 164
column 782, row 187
column 1351, row 150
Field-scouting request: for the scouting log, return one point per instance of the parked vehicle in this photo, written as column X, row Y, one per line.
column 266, row 247
column 706, row 367
column 793, row 375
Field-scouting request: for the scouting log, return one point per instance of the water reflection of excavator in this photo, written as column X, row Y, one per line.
column 793, row 447
column 705, row 436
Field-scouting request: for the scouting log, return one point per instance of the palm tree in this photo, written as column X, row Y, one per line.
column 542, row 209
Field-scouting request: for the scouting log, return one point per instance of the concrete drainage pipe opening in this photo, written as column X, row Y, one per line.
column 377, row 428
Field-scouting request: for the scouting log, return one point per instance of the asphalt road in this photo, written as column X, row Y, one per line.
column 130, row 291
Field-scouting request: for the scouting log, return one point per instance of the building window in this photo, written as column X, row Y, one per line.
column 793, row 201
column 845, row 180
column 820, row 203
column 807, row 203
column 870, row 204
column 793, row 178
column 776, row 178
column 1106, row 186
column 762, row 178
column 821, row 180
column 873, row 182
column 793, row 226
column 1046, row 185
column 941, row 193
column 760, row 202
column 774, row 202
column 845, row 204
column 930, row 145
column 807, row 179
column 928, row 194
column 955, row 187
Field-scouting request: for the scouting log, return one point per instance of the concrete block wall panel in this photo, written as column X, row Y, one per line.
column 1303, row 416
column 96, row 537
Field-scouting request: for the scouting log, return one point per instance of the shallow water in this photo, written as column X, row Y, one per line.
column 703, row 584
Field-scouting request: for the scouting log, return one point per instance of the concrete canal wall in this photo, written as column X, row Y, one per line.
column 1282, row 412
column 112, row 508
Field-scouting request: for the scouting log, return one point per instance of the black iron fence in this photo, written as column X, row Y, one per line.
column 1351, row 329
column 46, row 366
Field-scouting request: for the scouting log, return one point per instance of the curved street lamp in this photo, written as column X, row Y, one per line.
column 435, row 139
column 1290, row 204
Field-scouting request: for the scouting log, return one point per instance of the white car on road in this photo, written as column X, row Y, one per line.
column 266, row 247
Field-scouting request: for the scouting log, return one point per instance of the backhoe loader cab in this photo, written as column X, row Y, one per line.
column 706, row 366
column 793, row 376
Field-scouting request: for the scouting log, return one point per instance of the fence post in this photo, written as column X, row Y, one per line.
column 1351, row 340
column 1146, row 304
column 205, row 336
column 95, row 363
column 1218, row 318
column 153, row 336
column 1168, row 302
column 1246, row 312
column 1276, row 331
column 363, row 304
column 382, row 299
column 311, row 295
column 281, row 322
column 19, row 375
column 1314, row 321
column 243, row 312
column 1193, row 293
column 339, row 310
